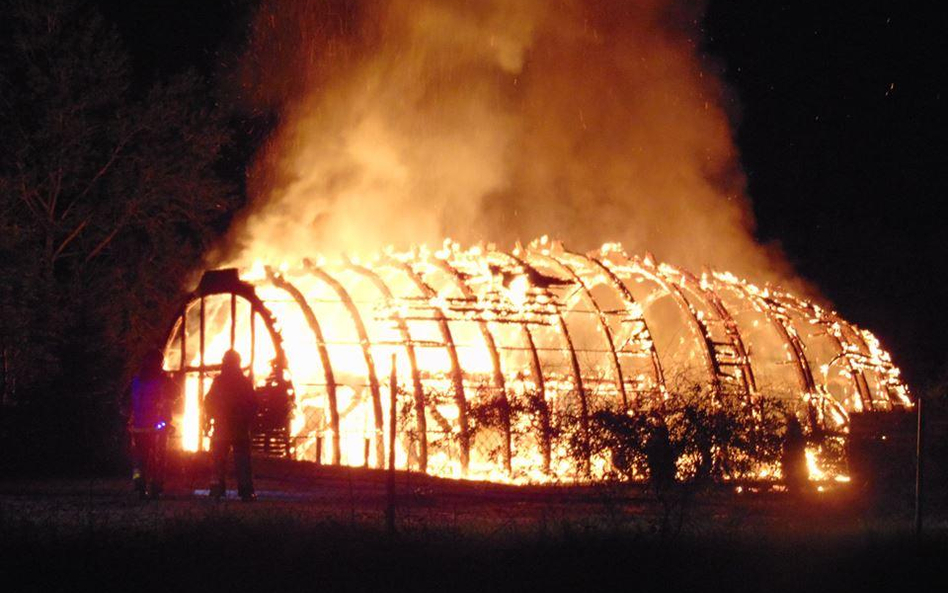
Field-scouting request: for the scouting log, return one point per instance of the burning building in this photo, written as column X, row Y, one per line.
column 479, row 351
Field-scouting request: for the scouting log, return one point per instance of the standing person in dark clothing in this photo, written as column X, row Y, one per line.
column 231, row 406
column 793, row 458
column 153, row 395
column 660, row 456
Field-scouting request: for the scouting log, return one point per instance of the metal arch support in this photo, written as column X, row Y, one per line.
column 498, row 374
column 464, row 287
column 457, row 377
column 730, row 327
column 783, row 328
column 247, row 292
column 830, row 402
column 417, row 387
column 364, row 342
column 672, row 289
column 862, row 385
column 790, row 337
column 820, row 317
column 175, row 325
column 630, row 301
column 281, row 282
column 845, row 358
column 257, row 307
column 821, row 401
column 546, row 428
column 574, row 367
column 543, row 410
column 886, row 371
column 600, row 316
column 862, row 340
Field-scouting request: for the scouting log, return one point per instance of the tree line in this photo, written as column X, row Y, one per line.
column 109, row 195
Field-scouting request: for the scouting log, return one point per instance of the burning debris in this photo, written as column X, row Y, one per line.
column 498, row 356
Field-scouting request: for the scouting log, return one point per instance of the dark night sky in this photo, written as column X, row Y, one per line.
column 840, row 121
column 842, row 137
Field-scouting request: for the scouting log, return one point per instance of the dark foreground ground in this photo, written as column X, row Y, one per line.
column 323, row 529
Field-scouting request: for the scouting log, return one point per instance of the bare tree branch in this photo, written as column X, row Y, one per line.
column 102, row 244
column 72, row 235
column 102, row 171
column 57, row 185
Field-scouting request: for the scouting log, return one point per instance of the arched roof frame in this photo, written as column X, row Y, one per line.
column 365, row 344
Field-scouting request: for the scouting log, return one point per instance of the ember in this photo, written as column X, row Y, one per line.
column 492, row 348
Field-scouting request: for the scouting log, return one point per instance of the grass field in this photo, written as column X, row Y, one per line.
column 323, row 529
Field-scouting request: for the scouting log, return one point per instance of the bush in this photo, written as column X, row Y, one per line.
column 682, row 442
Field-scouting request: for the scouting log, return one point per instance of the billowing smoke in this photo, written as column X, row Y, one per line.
column 409, row 121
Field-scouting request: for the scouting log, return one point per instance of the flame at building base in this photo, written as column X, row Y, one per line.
column 488, row 354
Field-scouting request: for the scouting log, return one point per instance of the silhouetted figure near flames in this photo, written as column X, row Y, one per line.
column 232, row 407
column 153, row 395
column 660, row 457
column 793, row 459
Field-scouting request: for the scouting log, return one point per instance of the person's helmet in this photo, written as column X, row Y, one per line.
column 231, row 361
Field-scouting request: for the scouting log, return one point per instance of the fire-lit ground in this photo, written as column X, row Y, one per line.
column 326, row 525
column 358, row 495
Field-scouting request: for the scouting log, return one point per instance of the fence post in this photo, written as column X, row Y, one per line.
column 919, row 465
column 390, row 483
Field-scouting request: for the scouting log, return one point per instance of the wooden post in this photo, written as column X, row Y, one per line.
column 392, row 425
column 253, row 340
column 200, row 396
column 184, row 341
column 233, row 319
column 183, row 376
column 919, row 445
column 352, row 508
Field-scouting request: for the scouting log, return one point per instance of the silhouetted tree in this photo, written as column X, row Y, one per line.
column 108, row 197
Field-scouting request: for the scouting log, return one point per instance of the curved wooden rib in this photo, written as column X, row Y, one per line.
column 457, row 378
column 417, row 387
column 783, row 328
column 280, row 282
column 600, row 317
column 365, row 344
column 712, row 299
column 698, row 327
column 630, row 301
column 497, row 375
column 818, row 316
column 574, row 366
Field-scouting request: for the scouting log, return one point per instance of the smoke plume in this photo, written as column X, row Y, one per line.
column 407, row 121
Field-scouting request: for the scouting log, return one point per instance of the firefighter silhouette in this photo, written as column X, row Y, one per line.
column 231, row 407
column 153, row 395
